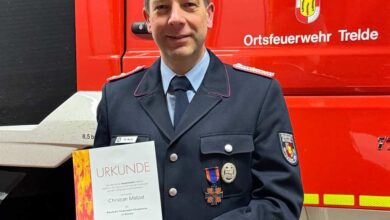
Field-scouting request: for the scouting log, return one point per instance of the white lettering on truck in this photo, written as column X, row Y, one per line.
column 320, row 37
column 272, row 39
column 358, row 35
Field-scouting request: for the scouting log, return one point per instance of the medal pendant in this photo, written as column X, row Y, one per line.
column 214, row 195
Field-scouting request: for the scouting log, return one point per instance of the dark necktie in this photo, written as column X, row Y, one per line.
column 179, row 87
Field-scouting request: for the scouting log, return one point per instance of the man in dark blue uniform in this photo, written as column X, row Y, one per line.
column 224, row 143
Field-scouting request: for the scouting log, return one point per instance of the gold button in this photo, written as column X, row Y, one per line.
column 228, row 148
column 172, row 192
column 173, row 157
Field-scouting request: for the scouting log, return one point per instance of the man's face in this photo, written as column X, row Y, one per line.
column 179, row 27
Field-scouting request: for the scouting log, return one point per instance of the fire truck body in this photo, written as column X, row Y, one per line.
column 332, row 59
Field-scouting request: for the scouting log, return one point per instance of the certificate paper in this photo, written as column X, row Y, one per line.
column 117, row 182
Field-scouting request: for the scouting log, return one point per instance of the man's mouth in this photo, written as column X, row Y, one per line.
column 178, row 37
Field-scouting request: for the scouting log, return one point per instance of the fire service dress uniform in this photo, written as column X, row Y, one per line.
column 232, row 154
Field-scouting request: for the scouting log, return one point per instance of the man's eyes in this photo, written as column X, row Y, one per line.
column 190, row 5
column 161, row 7
column 186, row 6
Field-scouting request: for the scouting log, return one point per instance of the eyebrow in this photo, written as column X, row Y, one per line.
column 157, row 1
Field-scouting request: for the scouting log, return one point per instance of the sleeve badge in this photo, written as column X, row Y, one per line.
column 288, row 148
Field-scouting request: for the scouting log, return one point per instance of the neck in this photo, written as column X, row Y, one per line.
column 181, row 66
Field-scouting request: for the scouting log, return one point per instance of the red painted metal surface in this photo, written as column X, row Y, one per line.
column 338, row 92
column 337, row 139
column 330, row 68
column 99, row 41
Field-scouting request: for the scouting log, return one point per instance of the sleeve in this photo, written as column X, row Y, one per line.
column 277, row 192
column 102, row 135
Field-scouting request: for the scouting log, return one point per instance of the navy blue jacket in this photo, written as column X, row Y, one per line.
column 233, row 107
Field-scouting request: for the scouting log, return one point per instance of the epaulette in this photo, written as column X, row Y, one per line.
column 253, row 70
column 123, row 75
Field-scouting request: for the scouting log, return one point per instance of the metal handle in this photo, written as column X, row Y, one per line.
column 139, row 28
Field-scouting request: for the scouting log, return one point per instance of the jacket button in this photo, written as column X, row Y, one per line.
column 172, row 192
column 228, row 148
column 173, row 157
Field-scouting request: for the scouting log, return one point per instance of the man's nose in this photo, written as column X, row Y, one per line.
column 177, row 15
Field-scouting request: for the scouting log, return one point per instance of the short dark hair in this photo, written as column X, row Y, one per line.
column 146, row 4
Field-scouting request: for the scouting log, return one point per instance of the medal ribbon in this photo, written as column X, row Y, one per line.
column 212, row 175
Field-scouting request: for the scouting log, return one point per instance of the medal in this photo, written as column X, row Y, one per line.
column 228, row 172
column 214, row 194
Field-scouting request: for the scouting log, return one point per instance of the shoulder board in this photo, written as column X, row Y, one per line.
column 123, row 75
column 253, row 70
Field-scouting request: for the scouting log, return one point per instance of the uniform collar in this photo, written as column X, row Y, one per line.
column 215, row 80
column 195, row 75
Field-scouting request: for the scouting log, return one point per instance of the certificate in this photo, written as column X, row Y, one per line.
column 117, row 182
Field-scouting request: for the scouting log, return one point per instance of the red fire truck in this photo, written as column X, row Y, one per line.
column 332, row 59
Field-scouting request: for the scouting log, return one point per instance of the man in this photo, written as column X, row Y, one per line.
column 229, row 154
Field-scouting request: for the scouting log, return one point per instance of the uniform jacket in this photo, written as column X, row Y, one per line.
column 233, row 107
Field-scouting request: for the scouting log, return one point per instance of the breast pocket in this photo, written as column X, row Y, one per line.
column 232, row 154
column 128, row 139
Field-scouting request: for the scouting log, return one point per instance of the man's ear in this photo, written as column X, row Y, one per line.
column 210, row 14
column 146, row 16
